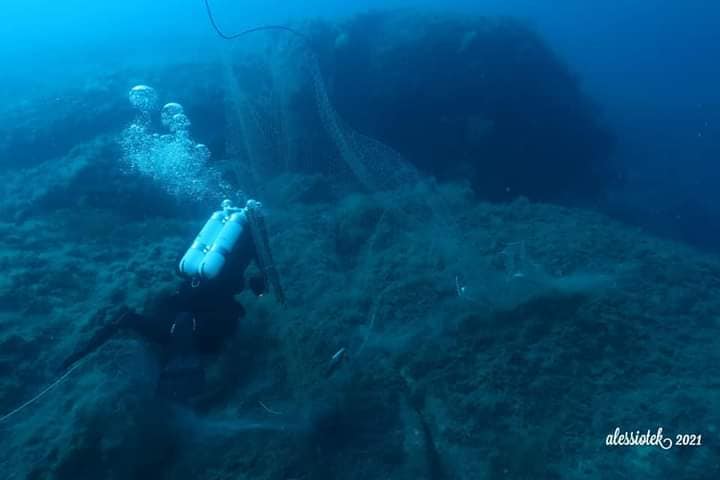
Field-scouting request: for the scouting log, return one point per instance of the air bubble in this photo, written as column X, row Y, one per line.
column 172, row 159
column 143, row 98
column 135, row 129
column 179, row 123
column 169, row 111
column 203, row 152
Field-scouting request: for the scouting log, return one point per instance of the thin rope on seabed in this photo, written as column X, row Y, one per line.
column 41, row 394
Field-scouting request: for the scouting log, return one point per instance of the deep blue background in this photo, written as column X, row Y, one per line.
column 651, row 65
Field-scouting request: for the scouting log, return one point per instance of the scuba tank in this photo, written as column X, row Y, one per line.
column 190, row 262
column 223, row 244
column 208, row 254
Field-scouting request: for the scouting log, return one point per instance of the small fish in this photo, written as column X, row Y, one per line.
column 335, row 361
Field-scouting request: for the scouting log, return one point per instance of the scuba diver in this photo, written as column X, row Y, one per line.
column 202, row 313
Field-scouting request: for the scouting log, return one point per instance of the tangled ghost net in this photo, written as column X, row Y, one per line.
column 173, row 160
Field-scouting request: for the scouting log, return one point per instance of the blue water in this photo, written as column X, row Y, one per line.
column 496, row 224
column 650, row 66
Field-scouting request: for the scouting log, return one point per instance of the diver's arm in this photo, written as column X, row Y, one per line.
column 124, row 318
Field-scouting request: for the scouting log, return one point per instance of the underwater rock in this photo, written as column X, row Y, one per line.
column 436, row 385
column 355, row 225
column 87, row 176
column 472, row 97
column 50, row 127
column 52, row 123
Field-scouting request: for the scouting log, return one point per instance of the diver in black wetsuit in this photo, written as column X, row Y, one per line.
column 197, row 318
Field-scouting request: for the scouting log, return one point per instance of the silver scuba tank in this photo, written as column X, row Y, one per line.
column 207, row 254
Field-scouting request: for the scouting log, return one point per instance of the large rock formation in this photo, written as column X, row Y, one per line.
column 478, row 98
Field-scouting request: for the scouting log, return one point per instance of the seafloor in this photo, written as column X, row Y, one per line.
column 483, row 340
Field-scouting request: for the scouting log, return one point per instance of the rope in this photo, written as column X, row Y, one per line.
column 41, row 394
column 231, row 36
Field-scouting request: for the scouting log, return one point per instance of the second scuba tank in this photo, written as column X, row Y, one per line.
column 190, row 262
column 224, row 242
column 207, row 255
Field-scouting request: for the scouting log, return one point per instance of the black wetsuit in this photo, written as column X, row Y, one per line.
column 190, row 322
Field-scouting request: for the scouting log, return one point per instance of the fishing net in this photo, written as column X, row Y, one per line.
column 393, row 237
